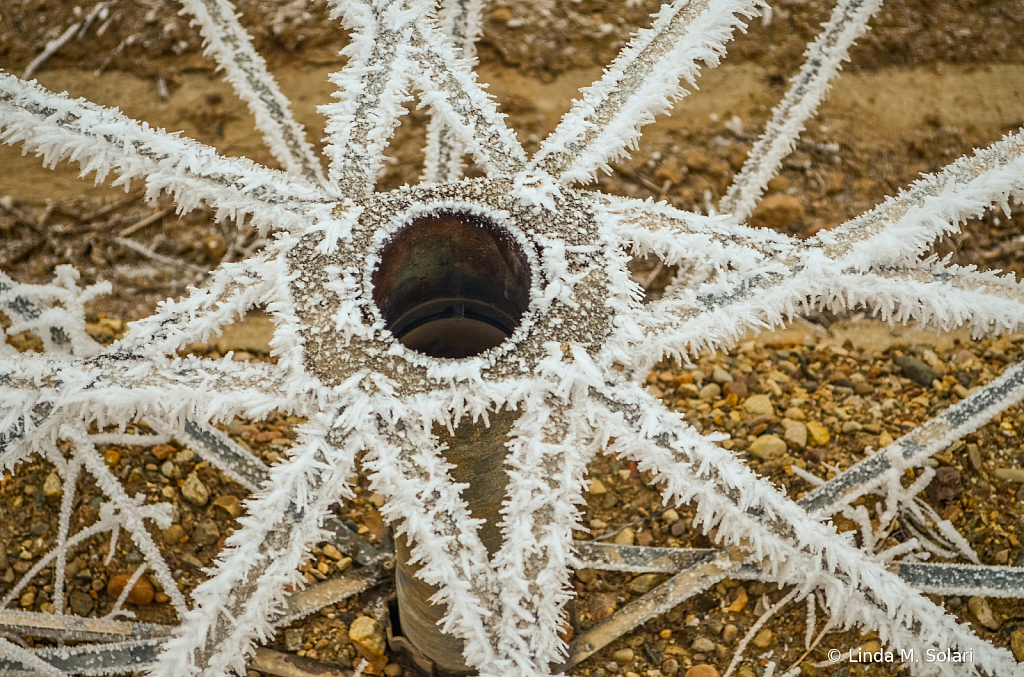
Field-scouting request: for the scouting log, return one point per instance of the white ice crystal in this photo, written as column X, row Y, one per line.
column 565, row 369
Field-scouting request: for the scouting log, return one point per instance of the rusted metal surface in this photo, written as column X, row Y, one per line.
column 477, row 452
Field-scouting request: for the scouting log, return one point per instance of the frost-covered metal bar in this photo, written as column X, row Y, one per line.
column 660, row 229
column 78, row 629
column 936, row 294
column 247, row 72
column 642, row 82
column 372, row 91
column 921, row 443
column 461, row 21
column 233, row 460
column 822, row 62
column 903, row 227
column 134, row 646
column 664, row 598
column 927, row 577
column 801, row 551
column 449, row 89
column 102, row 140
column 262, row 557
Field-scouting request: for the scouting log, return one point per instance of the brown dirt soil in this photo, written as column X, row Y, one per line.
column 929, row 83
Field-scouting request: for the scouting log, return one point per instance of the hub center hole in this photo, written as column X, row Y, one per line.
column 452, row 285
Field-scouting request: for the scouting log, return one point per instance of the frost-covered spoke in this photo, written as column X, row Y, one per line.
column 427, row 510
column 373, row 88
column 246, row 587
column 937, row 295
column 642, row 82
column 548, row 456
column 120, row 387
column 449, row 89
column 54, row 312
column 231, row 291
column 660, row 229
column 460, row 20
column 903, row 227
column 913, row 448
column 822, row 62
column 247, row 72
column 102, row 140
column 800, row 551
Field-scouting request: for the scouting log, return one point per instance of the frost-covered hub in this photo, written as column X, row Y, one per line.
column 537, row 324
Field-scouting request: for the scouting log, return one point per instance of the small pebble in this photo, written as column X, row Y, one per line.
column 974, row 455
column 703, row 645
column 819, row 433
column 729, row 633
column 670, row 516
column 763, row 639
column 796, row 414
column 141, row 593
column 721, row 376
column 332, row 552
column 710, row 392
column 983, row 612
column 162, row 451
column 597, row 487
column 623, row 656
column 294, row 639
column 945, row 486
column 206, row 533
column 737, row 388
column 740, row 602
column 916, row 370
column 1009, row 474
column 645, row 583
column 173, row 534
column 795, row 435
column 767, row 447
column 1017, row 645
column 228, row 506
column 611, row 666
column 368, row 634
column 52, row 486
column 670, row 667
column 759, row 405
column 624, row 537
column 393, row 670
column 702, row 671
column 81, row 603
column 194, row 491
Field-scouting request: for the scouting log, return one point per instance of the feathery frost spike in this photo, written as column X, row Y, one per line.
column 642, row 82
column 247, row 72
column 822, row 62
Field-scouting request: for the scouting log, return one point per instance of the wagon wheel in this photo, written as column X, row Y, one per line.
column 486, row 322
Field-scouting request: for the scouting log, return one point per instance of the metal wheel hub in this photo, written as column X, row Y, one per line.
column 563, row 262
